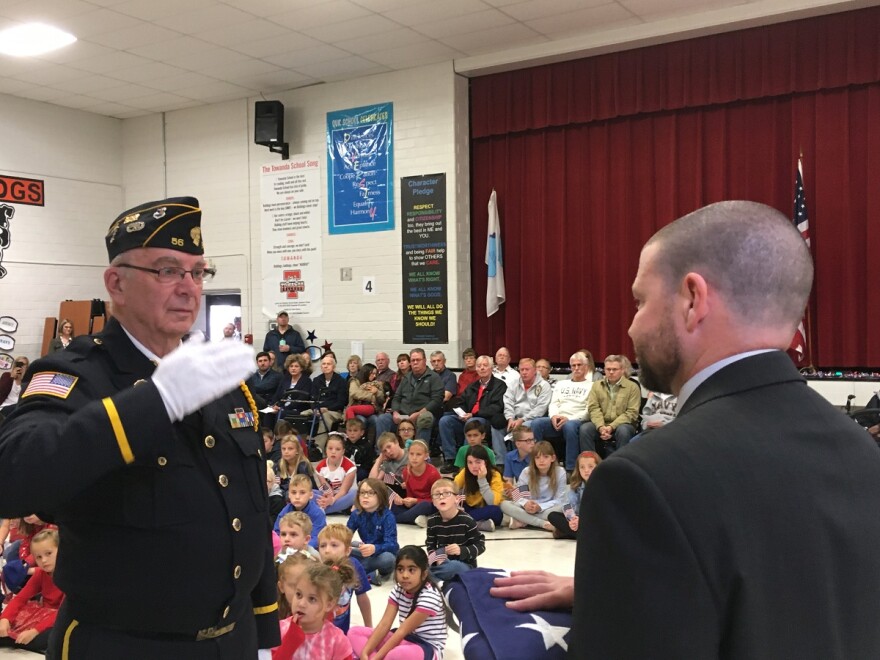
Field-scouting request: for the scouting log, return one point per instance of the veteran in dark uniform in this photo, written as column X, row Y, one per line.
column 146, row 453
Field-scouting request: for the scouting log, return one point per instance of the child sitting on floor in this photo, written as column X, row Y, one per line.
column 300, row 495
column 358, row 448
column 422, row 611
column 565, row 524
column 453, row 541
column 418, row 477
column 26, row 622
column 474, row 434
column 482, row 486
column 338, row 473
column 295, row 532
column 334, row 543
column 377, row 529
column 540, row 490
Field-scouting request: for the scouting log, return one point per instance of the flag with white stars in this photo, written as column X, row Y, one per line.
column 489, row 630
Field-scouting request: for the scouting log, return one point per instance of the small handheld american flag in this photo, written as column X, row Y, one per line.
column 325, row 488
column 459, row 500
column 437, row 556
column 568, row 511
column 520, row 493
column 395, row 498
column 390, row 478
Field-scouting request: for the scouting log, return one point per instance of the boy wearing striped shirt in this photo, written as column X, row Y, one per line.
column 453, row 541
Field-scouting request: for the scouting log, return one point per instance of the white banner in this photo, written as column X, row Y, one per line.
column 290, row 193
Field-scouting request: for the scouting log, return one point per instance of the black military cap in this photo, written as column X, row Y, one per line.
column 172, row 223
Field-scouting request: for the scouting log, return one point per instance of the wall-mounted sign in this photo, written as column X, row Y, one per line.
column 361, row 169
column 8, row 324
column 18, row 190
column 7, row 343
column 6, row 213
column 423, row 223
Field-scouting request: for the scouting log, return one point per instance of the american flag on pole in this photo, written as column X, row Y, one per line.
column 798, row 347
column 495, row 293
column 437, row 556
column 520, row 493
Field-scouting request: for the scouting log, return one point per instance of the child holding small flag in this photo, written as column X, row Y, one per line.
column 388, row 468
column 565, row 524
column 453, row 540
column 418, row 477
column 336, row 476
column 544, row 480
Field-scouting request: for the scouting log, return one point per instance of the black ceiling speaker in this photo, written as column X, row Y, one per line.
column 269, row 126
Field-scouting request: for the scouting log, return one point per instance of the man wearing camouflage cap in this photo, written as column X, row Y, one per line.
column 146, row 453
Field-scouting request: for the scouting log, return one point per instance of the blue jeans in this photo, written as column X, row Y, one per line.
column 424, row 424
column 542, row 428
column 343, row 503
column 486, row 512
column 589, row 438
column 407, row 516
column 383, row 562
column 452, row 434
column 449, row 569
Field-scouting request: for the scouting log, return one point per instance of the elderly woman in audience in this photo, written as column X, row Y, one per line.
column 354, row 365
column 295, row 378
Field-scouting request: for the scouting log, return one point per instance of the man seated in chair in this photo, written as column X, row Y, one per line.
column 567, row 410
column 264, row 382
column 330, row 393
column 613, row 406
column 418, row 397
column 527, row 399
column 483, row 400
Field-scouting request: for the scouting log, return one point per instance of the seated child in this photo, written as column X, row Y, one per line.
column 453, row 541
column 271, row 449
column 474, row 434
column 295, row 532
column 358, row 448
column 26, row 622
column 544, row 481
column 308, row 633
column 565, row 524
column 334, row 543
column 293, row 461
column 482, row 486
column 19, row 567
column 300, row 495
column 276, row 495
column 377, row 529
column 406, row 433
column 418, row 477
column 336, row 475
column 421, row 609
column 388, row 467
column 518, row 458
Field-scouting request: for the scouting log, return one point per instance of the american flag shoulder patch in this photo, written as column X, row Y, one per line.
column 51, row 383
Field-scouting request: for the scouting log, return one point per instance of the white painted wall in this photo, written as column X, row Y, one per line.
column 57, row 251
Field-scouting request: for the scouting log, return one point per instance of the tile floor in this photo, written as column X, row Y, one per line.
column 513, row 550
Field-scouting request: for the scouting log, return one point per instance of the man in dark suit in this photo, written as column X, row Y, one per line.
column 748, row 527
column 483, row 399
column 146, row 452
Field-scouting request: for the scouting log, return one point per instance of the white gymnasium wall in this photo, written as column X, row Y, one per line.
column 57, row 251
column 208, row 152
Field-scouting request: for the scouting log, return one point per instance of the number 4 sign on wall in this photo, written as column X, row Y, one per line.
column 369, row 287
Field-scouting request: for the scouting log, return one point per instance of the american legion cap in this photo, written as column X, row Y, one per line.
column 173, row 223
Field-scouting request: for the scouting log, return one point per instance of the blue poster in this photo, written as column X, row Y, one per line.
column 360, row 169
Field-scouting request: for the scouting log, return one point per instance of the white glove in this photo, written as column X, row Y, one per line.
column 198, row 373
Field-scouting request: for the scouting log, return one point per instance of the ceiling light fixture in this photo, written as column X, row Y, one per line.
column 33, row 39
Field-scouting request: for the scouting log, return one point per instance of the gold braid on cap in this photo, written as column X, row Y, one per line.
column 252, row 404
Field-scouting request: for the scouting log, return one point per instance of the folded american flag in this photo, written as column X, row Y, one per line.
column 568, row 510
column 491, row 631
column 520, row 493
column 438, row 555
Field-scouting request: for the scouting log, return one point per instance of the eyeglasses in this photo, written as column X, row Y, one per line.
column 442, row 495
column 372, row 493
column 169, row 274
column 527, row 440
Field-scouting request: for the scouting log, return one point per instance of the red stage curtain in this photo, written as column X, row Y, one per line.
column 577, row 198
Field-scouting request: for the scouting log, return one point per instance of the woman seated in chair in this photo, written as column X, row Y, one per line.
column 296, row 379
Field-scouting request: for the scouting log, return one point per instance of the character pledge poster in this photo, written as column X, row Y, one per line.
column 361, row 167
column 425, row 295
column 290, row 194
